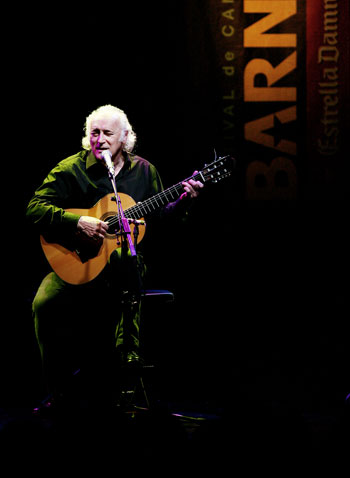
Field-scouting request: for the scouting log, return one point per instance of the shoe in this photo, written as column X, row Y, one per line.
column 133, row 360
column 47, row 409
column 56, row 406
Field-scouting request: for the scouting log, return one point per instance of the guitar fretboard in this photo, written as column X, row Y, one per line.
column 156, row 202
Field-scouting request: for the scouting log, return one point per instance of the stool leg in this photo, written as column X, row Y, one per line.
column 144, row 392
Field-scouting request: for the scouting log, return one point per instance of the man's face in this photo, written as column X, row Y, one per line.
column 105, row 134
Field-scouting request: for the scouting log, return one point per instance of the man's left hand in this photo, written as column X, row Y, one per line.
column 192, row 187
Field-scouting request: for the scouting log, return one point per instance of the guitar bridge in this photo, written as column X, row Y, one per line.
column 81, row 256
column 90, row 253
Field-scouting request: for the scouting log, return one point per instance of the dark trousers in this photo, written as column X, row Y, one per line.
column 87, row 327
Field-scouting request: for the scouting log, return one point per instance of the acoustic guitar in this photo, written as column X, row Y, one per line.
column 79, row 266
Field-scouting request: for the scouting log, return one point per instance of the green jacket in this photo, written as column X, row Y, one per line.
column 80, row 181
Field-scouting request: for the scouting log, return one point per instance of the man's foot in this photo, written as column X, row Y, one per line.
column 133, row 360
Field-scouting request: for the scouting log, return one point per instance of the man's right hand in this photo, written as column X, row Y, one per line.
column 92, row 229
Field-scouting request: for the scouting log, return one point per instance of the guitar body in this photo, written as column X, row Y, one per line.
column 69, row 265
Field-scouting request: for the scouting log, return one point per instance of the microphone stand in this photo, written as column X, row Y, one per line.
column 131, row 297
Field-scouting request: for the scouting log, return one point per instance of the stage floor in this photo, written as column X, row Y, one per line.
column 176, row 435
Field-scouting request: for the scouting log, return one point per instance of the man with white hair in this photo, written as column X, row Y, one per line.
column 79, row 326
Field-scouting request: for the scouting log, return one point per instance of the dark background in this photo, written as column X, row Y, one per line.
column 259, row 288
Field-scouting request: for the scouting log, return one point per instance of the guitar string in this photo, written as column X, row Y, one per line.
column 150, row 205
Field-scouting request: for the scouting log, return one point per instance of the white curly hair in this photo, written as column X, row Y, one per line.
column 112, row 111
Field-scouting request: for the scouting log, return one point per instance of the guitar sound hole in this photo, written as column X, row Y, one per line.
column 112, row 230
column 113, row 224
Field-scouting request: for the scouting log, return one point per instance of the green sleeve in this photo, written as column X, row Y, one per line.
column 46, row 210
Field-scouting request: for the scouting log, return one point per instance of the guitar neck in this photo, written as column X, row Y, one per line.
column 213, row 172
column 161, row 199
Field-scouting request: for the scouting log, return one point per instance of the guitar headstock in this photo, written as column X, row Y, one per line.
column 219, row 169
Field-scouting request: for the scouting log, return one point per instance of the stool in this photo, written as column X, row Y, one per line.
column 158, row 294
column 134, row 378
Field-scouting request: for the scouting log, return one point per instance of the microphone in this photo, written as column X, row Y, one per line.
column 107, row 157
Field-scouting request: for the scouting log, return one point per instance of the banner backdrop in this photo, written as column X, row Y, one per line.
column 280, row 68
column 327, row 94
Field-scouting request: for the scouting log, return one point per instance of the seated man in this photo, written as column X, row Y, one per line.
column 81, row 325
